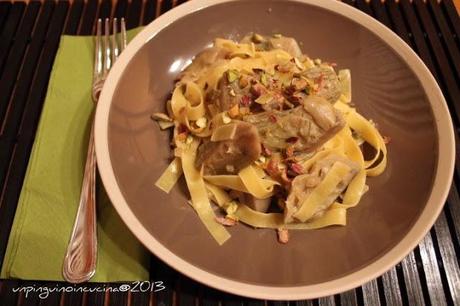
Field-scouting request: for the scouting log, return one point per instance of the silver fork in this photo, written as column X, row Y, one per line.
column 80, row 259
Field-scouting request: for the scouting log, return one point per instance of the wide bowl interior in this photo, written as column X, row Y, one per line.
column 384, row 89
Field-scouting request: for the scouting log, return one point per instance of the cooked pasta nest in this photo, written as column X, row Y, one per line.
column 270, row 136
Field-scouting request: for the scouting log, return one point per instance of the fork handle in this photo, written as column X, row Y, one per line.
column 80, row 260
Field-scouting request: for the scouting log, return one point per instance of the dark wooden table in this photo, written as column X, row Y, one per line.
column 29, row 38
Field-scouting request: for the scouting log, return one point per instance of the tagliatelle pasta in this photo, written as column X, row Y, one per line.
column 318, row 196
column 199, row 195
column 171, row 175
column 335, row 216
column 269, row 136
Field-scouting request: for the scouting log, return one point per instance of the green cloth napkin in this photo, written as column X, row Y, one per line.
column 49, row 198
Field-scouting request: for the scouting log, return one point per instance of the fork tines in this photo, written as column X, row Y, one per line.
column 109, row 47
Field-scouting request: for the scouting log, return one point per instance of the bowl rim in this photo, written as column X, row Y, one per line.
column 435, row 202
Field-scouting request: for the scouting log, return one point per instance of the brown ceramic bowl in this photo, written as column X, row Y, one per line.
column 391, row 85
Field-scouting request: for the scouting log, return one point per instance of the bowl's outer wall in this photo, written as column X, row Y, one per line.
column 384, row 89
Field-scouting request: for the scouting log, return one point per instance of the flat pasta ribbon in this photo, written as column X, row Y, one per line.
column 248, row 180
column 199, row 195
column 370, row 134
column 335, row 216
column 170, row 176
column 187, row 107
column 316, row 200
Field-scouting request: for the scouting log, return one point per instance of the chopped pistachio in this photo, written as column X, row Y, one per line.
column 234, row 111
column 232, row 75
column 225, row 118
column 257, row 38
column 227, row 221
column 243, row 81
column 310, row 83
column 201, row 122
column 286, row 82
column 264, row 79
column 231, row 208
column 299, row 83
column 283, row 235
column 299, row 63
column 232, row 217
column 165, row 124
column 264, row 99
column 308, row 63
column 230, row 168
column 189, row 139
column 161, row 117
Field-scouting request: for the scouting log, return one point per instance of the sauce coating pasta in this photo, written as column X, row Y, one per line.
column 270, row 136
